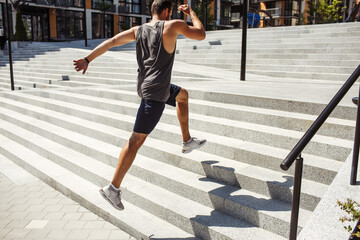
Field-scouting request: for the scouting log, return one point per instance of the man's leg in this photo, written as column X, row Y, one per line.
column 127, row 157
column 111, row 192
column 189, row 143
column 183, row 113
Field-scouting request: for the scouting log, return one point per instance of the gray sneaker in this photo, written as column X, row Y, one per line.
column 192, row 144
column 113, row 196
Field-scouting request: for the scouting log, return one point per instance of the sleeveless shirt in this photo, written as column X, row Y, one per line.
column 154, row 62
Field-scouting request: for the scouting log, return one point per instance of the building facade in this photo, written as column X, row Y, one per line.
column 63, row 20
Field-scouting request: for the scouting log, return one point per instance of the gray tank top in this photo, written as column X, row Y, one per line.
column 155, row 63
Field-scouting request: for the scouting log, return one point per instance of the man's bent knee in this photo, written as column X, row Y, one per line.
column 136, row 140
column 183, row 96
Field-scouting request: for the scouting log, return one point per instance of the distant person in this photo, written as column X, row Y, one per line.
column 2, row 38
column 155, row 50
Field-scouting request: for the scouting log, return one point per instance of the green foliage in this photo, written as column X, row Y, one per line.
column 103, row 6
column 20, row 30
column 301, row 20
column 125, row 26
column 199, row 9
column 323, row 12
column 352, row 208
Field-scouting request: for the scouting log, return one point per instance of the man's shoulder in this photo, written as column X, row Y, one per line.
column 175, row 26
column 175, row 23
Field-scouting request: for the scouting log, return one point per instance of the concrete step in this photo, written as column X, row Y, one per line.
column 277, row 137
column 248, row 110
column 325, row 168
column 136, row 189
column 302, row 75
column 252, row 178
column 236, row 47
column 132, row 220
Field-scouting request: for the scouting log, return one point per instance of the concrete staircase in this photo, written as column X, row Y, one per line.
column 322, row 52
column 69, row 134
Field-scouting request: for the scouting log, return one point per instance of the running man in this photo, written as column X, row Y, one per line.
column 155, row 51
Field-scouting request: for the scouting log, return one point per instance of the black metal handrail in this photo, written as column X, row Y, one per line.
column 295, row 154
column 290, row 159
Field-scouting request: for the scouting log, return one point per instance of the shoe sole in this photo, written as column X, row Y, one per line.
column 107, row 199
column 195, row 147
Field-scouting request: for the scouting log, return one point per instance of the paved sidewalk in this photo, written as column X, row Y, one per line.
column 30, row 209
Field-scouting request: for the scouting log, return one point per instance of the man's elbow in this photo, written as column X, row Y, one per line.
column 202, row 36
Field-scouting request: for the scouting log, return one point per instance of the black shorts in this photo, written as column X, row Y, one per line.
column 149, row 112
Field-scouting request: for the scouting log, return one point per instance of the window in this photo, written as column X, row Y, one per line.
column 148, row 6
column 124, row 23
column 69, row 24
column 96, row 4
column 133, row 6
column 102, row 25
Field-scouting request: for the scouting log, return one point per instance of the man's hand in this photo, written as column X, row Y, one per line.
column 81, row 64
column 185, row 8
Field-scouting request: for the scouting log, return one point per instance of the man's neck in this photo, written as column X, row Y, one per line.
column 156, row 18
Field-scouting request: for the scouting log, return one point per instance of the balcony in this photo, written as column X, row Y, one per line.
column 124, row 9
column 275, row 12
column 235, row 16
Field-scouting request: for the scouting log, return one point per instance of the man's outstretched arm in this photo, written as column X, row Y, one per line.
column 118, row 40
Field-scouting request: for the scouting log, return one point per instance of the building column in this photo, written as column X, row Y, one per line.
column 116, row 3
column 52, row 21
column 116, row 24
column 218, row 14
column 88, row 19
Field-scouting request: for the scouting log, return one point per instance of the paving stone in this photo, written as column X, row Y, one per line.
column 50, row 201
column 35, row 208
column 70, row 208
column 57, row 224
column 38, row 234
column 3, row 232
column 4, row 222
column 18, row 223
column 94, row 225
column 37, row 224
column 118, row 234
column 17, row 234
column 99, row 234
column 79, row 234
column 82, row 209
column 72, row 216
column 17, row 215
column 36, row 215
column 88, row 216
column 19, row 207
column 54, row 215
column 58, row 233
column 66, row 201
column 75, row 225
column 109, row 226
column 53, row 208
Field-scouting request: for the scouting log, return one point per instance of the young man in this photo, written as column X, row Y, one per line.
column 155, row 50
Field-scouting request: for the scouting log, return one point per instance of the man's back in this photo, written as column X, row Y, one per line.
column 155, row 63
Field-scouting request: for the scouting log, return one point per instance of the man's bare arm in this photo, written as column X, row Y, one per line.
column 197, row 31
column 118, row 40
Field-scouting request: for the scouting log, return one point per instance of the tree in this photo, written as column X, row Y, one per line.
column 323, row 12
column 20, row 29
column 103, row 6
column 199, row 9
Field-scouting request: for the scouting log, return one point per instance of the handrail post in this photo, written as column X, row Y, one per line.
column 243, row 41
column 9, row 46
column 355, row 160
column 296, row 198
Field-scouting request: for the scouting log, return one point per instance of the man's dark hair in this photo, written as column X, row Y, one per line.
column 159, row 5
